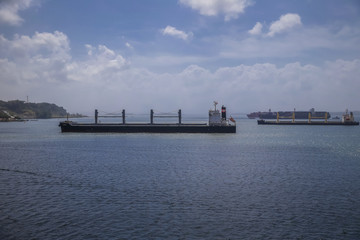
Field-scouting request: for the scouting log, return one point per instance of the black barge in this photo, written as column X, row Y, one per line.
column 217, row 124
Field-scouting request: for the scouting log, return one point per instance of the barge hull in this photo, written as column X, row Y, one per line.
column 263, row 122
column 145, row 128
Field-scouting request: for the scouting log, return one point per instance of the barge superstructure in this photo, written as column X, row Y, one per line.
column 218, row 123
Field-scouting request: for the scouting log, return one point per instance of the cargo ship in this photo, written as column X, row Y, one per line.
column 298, row 114
column 218, row 123
column 347, row 119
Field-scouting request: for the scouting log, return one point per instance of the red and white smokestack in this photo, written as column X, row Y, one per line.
column 223, row 112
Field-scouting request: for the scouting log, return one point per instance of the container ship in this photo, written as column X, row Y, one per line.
column 298, row 114
column 218, row 123
column 347, row 119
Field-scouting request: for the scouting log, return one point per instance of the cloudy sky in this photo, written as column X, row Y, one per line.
column 168, row 54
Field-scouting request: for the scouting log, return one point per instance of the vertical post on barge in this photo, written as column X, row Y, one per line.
column 309, row 117
column 326, row 118
column 179, row 113
column 277, row 117
column 151, row 116
column 96, row 116
column 123, row 116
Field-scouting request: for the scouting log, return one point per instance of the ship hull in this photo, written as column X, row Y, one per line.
column 263, row 122
column 145, row 128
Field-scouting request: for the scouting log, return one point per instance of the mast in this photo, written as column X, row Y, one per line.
column 215, row 103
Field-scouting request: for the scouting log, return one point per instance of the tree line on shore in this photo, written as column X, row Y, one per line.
column 17, row 109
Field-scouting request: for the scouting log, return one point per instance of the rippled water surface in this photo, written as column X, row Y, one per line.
column 264, row 182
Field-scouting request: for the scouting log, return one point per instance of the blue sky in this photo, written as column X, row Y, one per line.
column 162, row 54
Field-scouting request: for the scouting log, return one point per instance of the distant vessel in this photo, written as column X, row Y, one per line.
column 262, row 115
column 218, row 123
column 347, row 119
column 298, row 114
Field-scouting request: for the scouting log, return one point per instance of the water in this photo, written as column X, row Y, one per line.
column 264, row 182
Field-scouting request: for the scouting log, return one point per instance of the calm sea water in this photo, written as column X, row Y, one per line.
column 264, row 182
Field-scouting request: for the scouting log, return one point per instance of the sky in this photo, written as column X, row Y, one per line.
column 250, row 55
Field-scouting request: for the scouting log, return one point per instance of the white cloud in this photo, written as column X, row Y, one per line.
column 41, row 57
column 293, row 85
column 55, row 43
column 128, row 45
column 30, row 65
column 256, row 30
column 46, row 57
column 9, row 11
column 300, row 44
column 101, row 63
column 230, row 8
column 90, row 49
column 172, row 31
column 285, row 23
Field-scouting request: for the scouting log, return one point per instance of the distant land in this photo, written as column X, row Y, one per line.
column 17, row 109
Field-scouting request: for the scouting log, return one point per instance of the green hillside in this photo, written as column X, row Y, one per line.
column 24, row 110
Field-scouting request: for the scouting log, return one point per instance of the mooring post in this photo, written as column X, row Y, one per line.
column 151, row 116
column 179, row 113
column 123, row 116
column 96, row 116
